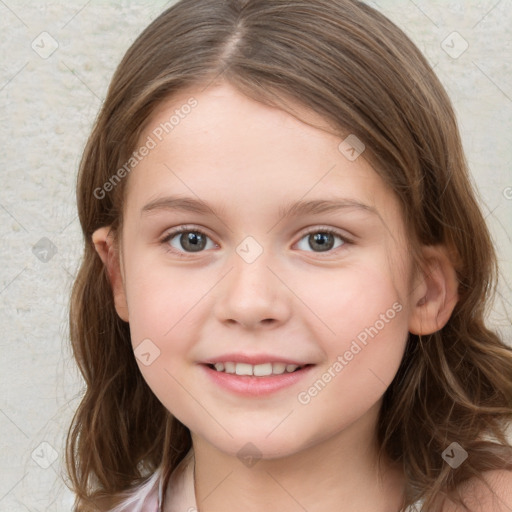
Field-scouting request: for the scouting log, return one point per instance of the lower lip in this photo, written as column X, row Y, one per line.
column 248, row 385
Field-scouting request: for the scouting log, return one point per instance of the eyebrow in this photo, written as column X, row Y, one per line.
column 296, row 209
column 187, row 204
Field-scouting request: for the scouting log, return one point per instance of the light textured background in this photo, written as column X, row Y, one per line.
column 47, row 107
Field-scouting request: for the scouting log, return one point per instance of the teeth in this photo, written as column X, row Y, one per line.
column 258, row 370
column 243, row 369
column 278, row 368
column 262, row 370
column 229, row 367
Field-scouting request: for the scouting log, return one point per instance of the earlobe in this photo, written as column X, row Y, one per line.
column 103, row 241
column 435, row 292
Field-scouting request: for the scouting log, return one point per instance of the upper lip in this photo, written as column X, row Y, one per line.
column 252, row 359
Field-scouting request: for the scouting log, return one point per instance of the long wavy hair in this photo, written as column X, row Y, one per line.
column 347, row 62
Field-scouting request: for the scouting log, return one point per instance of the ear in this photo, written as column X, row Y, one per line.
column 107, row 250
column 435, row 292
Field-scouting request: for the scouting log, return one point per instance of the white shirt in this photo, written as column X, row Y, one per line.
column 180, row 495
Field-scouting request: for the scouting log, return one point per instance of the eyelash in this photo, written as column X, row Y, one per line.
column 191, row 229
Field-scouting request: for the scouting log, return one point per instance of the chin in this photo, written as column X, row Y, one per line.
column 258, row 445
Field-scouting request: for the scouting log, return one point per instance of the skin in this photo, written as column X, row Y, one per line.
column 246, row 160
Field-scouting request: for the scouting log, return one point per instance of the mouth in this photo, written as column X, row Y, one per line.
column 258, row 380
column 256, row 370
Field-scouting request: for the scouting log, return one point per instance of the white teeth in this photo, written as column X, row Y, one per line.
column 229, row 367
column 278, row 368
column 243, row 369
column 261, row 370
column 258, row 370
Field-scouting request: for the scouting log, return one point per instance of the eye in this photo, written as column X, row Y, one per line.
column 188, row 240
column 322, row 240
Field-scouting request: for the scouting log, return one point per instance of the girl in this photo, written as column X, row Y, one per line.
column 281, row 302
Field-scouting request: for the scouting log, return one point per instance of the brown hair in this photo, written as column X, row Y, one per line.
column 350, row 64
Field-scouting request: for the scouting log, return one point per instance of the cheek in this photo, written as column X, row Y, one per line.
column 362, row 360
column 161, row 313
column 367, row 319
column 160, row 300
column 354, row 298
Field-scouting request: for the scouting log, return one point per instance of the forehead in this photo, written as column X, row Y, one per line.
column 220, row 145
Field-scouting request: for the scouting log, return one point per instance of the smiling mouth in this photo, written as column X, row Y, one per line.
column 256, row 370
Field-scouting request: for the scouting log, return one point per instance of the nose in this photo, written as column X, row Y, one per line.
column 252, row 295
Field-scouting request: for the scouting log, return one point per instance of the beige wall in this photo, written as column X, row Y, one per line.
column 47, row 106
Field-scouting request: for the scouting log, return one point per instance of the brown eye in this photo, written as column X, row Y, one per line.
column 188, row 240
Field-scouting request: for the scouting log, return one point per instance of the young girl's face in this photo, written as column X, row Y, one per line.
column 293, row 251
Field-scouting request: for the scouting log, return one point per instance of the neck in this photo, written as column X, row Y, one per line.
column 341, row 469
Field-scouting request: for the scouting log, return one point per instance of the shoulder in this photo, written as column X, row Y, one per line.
column 104, row 504
column 496, row 496
column 133, row 503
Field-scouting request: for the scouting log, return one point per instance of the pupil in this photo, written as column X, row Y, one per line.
column 192, row 241
column 322, row 241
